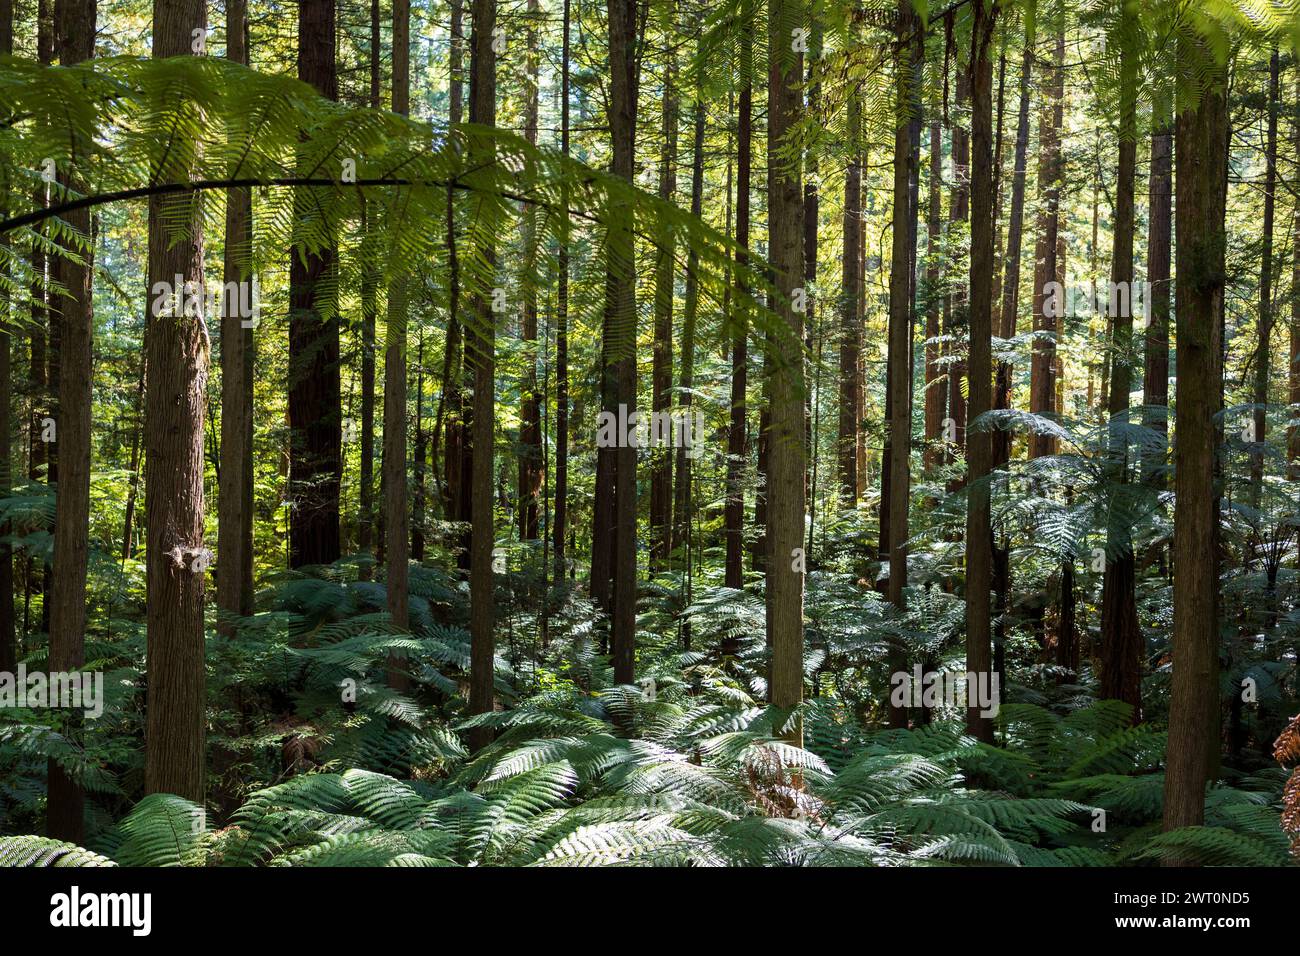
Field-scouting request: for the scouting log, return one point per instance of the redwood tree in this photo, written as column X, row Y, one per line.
column 177, row 375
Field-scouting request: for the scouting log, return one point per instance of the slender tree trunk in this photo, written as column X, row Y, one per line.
column 620, row 337
column 315, row 396
column 396, row 521
column 561, row 519
column 177, row 369
column 900, row 325
column 979, row 450
column 480, row 354
column 73, row 315
column 369, row 313
column 850, row 419
column 661, row 472
column 235, row 482
column 1015, row 231
column 42, row 273
column 8, row 636
column 1200, row 148
column 958, row 317
column 686, row 380
column 1121, row 636
column 417, row 464
column 1047, row 306
column 936, row 381
column 1155, row 379
column 811, row 224
column 1263, row 354
column 530, row 432
column 734, row 510
column 784, row 370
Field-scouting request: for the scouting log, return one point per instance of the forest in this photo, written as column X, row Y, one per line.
column 705, row 433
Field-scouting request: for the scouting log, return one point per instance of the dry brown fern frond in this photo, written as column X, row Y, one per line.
column 1286, row 750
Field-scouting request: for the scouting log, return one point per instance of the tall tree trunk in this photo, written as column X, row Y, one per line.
column 480, row 354
column 530, row 430
column 1155, row 379
column 959, row 309
column 1015, row 230
column 177, row 369
column 1041, row 392
column 936, row 381
column 620, row 332
column 811, row 224
column 784, row 369
column 315, row 396
column 417, row 464
column 979, row 450
column 1263, row 355
column 42, row 273
column 686, row 379
column 458, row 449
column 661, row 472
column 1121, row 636
column 900, row 324
column 369, row 312
column 561, row 518
column 8, row 636
column 396, row 521
column 850, row 419
column 235, row 481
column 1200, row 149
column 734, row 510
column 73, row 315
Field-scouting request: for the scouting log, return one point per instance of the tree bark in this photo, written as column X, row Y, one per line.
column 661, row 469
column 979, row 450
column 1121, row 636
column 561, row 518
column 235, row 481
column 480, row 354
column 396, row 516
column 1015, row 230
column 957, row 314
column 936, row 381
column 8, row 635
column 369, row 313
column 1155, row 379
column 177, row 374
column 851, row 303
column 1200, row 149
column 315, row 395
column 900, row 326
column 73, row 315
column 620, row 337
column 530, row 432
column 1041, row 391
column 784, row 370
column 1263, row 354
column 734, row 509
column 686, row 380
